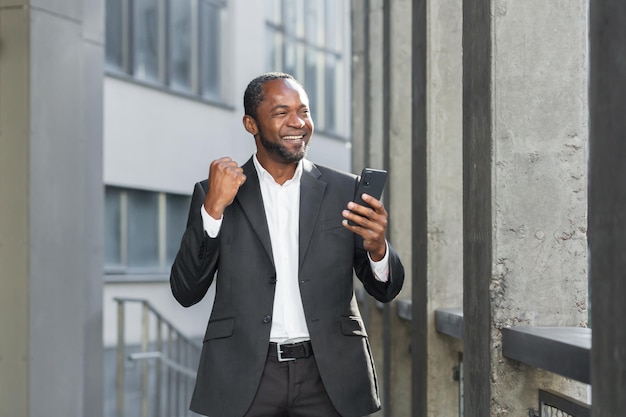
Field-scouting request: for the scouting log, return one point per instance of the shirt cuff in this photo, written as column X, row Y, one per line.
column 211, row 226
column 381, row 268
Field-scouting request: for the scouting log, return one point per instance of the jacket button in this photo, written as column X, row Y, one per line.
column 267, row 319
column 272, row 279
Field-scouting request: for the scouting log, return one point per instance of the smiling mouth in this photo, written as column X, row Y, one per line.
column 299, row 137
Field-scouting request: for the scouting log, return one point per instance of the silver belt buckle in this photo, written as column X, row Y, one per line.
column 279, row 353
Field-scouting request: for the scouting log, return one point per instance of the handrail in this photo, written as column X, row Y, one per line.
column 141, row 356
column 172, row 349
column 157, row 314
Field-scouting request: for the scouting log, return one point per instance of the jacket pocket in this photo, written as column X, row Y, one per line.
column 217, row 329
column 353, row 326
column 334, row 223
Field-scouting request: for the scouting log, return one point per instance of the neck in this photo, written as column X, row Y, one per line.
column 280, row 171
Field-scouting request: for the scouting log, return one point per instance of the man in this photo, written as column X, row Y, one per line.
column 285, row 336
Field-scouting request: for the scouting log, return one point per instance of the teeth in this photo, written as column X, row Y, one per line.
column 292, row 137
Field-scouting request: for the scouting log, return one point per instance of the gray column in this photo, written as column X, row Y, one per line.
column 51, row 206
column 415, row 108
column 14, row 203
column 360, row 80
column 607, row 205
column 399, row 199
column 477, row 205
column 445, row 196
column 525, row 130
column 382, row 126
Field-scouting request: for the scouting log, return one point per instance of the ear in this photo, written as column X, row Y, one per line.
column 250, row 124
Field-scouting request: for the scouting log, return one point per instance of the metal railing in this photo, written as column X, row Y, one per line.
column 167, row 362
column 555, row 404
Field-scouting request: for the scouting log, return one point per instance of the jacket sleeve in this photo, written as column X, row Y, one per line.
column 196, row 262
column 381, row 291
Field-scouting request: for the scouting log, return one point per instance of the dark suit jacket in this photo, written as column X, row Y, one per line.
column 237, row 335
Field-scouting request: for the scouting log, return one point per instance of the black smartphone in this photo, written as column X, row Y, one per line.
column 372, row 182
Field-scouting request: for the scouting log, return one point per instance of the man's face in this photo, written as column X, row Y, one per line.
column 284, row 123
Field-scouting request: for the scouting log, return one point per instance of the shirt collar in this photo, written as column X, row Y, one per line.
column 267, row 177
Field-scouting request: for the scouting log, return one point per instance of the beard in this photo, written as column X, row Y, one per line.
column 279, row 150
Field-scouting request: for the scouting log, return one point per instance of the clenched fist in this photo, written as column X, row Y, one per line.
column 225, row 178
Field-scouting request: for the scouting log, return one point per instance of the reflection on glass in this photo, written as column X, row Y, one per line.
column 311, row 82
column 180, row 32
column 210, row 53
column 143, row 230
column 330, row 91
column 305, row 39
column 112, row 228
column 114, row 35
column 146, row 40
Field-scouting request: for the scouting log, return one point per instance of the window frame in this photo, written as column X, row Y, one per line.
column 126, row 69
column 310, row 44
column 124, row 271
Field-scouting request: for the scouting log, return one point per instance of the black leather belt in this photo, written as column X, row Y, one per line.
column 290, row 351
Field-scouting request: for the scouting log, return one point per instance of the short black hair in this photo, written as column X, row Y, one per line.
column 253, row 96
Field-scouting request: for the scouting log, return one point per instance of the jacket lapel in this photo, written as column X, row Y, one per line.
column 311, row 193
column 251, row 201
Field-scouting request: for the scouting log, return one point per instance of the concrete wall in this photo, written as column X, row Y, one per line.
column 51, row 207
column 525, row 108
column 540, row 182
column 494, row 217
column 445, row 191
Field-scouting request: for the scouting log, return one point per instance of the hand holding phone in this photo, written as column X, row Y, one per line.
column 372, row 182
column 373, row 231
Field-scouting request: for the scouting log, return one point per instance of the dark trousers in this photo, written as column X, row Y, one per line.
column 291, row 389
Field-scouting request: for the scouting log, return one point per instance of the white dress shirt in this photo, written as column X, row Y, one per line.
column 282, row 208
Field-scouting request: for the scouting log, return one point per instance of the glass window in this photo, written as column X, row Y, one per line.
column 332, row 25
column 313, row 22
column 115, row 35
column 290, row 57
column 330, row 87
column 312, row 38
column 143, row 230
column 180, row 45
column 210, row 49
column 113, row 227
column 274, row 10
column 274, row 44
column 175, row 44
column 311, row 84
column 289, row 18
column 146, row 40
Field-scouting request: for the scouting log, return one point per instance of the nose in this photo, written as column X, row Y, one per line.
column 296, row 121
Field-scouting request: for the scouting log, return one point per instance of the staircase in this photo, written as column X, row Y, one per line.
column 156, row 377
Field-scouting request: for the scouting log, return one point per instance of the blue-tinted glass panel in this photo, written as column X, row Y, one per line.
column 146, row 40
column 114, row 35
column 290, row 57
column 143, row 230
column 180, row 45
column 210, row 49
column 311, row 80
column 330, row 91
column 112, row 228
